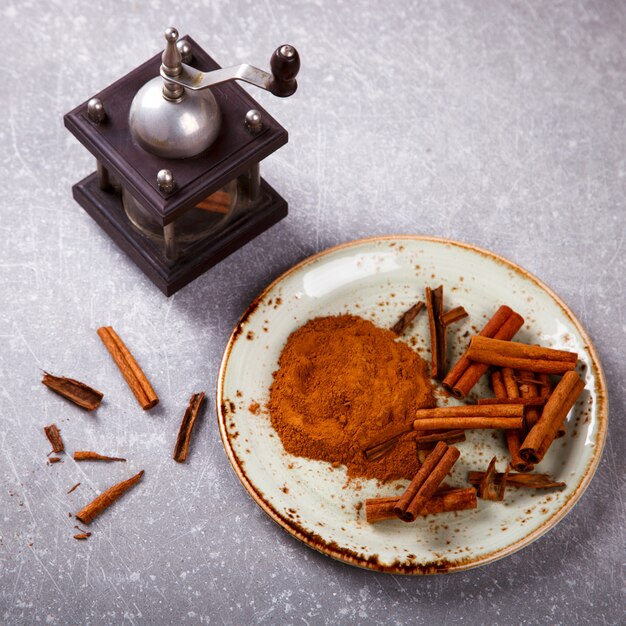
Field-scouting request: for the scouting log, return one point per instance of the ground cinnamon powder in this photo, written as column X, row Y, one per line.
column 342, row 383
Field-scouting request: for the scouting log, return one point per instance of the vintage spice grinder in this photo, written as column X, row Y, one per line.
column 178, row 145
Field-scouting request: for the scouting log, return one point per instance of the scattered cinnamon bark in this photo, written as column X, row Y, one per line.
column 74, row 487
column 453, row 315
column 543, row 433
column 520, row 356
column 426, row 442
column 438, row 347
column 82, row 536
column 88, row 513
column 136, row 379
column 443, row 501
column 487, row 489
column 54, row 437
column 88, row 455
column 465, row 374
column 186, row 427
column 532, row 481
column 75, row 391
column 406, row 319
column 54, row 459
column 426, row 482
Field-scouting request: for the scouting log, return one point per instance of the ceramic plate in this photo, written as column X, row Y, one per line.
column 378, row 279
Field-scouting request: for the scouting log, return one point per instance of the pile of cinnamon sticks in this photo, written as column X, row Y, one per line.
column 529, row 406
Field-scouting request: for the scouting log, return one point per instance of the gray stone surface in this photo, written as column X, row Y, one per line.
column 496, row 123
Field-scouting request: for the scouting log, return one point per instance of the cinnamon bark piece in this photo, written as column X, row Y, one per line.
column 470, row 410
column 82, row 536
column 531, row 481
column 543, row 433
column 74, row 487
column 406, row 319
column 513, row 437
column 87, row 514
column 427, row 442
column 54, row 459
column 438, row 348
column 487, row 489
column 186, row 427
column 73, row 390
column 467, row 423
column 88, row 455
column 445, row 501
column 218, row 202
column 428, row 478
column 453, row 315
column 465, row 374
column 136, row 379
column 528, row 390
column 54, row 437
column 420, row 477
column 520, row 356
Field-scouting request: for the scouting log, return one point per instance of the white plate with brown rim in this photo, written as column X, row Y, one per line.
column 378, row 279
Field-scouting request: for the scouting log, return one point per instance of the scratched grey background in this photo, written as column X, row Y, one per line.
column 496, row 123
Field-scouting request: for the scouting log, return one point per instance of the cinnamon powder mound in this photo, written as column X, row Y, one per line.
column 342, row 383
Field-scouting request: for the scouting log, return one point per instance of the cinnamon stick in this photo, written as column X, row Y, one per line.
column 54, row 437
column 465, row 374
column 186, row 427
column 557, row 407
column 426, row 442
column 487, row 487
column 443, row 501
column 520, row 356
column 73, row 390
column 471, row 410
column 438, row 348
column 528, row 392
column 450, row 418
column 429, row 465
column 453, row 315
column 532, row 481
column 428, row 478
column 130, row 369
column 467, row 423
column 513, row 437
column 87, row 514
column 407, row 318
column 88, row 455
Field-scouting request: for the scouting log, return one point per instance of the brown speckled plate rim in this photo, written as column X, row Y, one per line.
column 352, row 558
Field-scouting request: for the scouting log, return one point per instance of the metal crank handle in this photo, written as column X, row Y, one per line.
column 285, row 64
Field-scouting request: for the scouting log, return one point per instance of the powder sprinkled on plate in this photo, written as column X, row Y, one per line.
column 341, row 383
